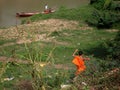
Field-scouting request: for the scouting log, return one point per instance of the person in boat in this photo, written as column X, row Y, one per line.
column 79, row 61
column 50, row 10
column 47, row 10
column 46, row 7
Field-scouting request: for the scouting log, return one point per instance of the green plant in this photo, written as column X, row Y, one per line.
column 103, row 19
column 3, row 69
column 98, row 4
column 37, row 71
column 114, row 48
column 93, row 1
column 107, row 4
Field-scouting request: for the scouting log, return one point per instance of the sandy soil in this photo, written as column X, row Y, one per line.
column 32, row 32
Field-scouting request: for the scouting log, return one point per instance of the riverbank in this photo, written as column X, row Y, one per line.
column 43, row 26
column 52, row 40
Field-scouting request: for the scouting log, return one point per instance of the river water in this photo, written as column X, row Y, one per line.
column 9, row 8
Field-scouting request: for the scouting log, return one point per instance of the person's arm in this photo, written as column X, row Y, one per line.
column 86, row 58
column 75, row 53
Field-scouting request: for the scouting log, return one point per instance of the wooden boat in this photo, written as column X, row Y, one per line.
column 48, row 11
column 25, row 14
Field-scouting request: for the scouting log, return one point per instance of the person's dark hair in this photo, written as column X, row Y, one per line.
column 80, row 52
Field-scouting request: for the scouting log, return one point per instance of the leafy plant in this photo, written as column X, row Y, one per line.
column 114, row 48
column 103, row 19
column 107, row 4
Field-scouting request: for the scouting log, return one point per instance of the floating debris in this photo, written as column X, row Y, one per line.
column 8, row 79
column 65, row 86
column 84, row 83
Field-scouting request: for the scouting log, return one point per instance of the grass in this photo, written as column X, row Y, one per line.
column 61, row 55
column 83, row 39
column 79, row 14
column 2, row 42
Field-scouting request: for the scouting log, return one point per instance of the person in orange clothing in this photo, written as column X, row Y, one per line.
column 79, row 61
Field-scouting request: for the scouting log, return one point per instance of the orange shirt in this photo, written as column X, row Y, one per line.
column 78, row 60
